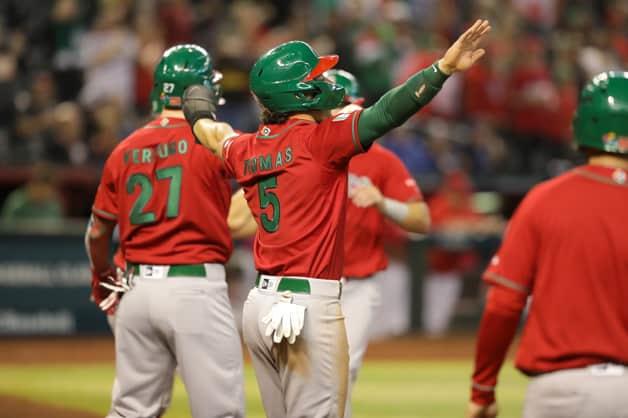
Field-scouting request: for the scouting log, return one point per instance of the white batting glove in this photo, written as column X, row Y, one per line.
column 119, row 285
column 285, row 320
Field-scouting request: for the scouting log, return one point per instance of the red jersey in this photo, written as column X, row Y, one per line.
column 294, row 177
column 364, row 249
column 442, row 211
column 567, row 247
column 169, row 195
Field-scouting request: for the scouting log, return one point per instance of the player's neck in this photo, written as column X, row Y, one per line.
column 171, row 113
column 610, row 161
column 314, row 115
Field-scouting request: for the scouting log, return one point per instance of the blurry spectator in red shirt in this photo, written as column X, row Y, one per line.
column 454, row 225
column 177, row 20
column 532, row 91
column 485, row 91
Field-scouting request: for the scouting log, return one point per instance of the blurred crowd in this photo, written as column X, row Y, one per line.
column 75, row 75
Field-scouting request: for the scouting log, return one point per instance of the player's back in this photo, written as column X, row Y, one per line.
column 295, row 181
column 170, row 194
column 580, row 286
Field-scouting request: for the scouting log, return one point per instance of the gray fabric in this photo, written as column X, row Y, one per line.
column 360, row 300
column 577, row 393
column 307, row 379
column 184, row 321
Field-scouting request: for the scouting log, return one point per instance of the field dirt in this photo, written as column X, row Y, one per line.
column 48, row 350
column 13, row 407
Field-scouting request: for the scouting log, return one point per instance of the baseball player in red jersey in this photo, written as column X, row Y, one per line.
column 567, row 248
column 170, row 197
column 294, row 173
column 380, row 189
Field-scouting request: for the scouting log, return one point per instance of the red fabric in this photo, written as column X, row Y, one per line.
column 533, row 101
column 178, row 23
column 311, row 190
column 566, row 244
column 503, row 310
column 485, row 94
column 143, row 85
column 364, row 249
column 199, row 233
column 442, row 212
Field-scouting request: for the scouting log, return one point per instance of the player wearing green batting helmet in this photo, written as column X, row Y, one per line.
column 288, row 78
column 350, row 84
column 601, row 121
column 180, row 67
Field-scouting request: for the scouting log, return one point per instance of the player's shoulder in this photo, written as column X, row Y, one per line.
column 555, row 184
column 543, row 194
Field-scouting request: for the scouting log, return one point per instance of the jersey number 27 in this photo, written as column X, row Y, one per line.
column 145, row 183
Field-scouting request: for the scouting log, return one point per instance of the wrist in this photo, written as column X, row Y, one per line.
column 394, row 209
column 445, row 68
column 482, row 395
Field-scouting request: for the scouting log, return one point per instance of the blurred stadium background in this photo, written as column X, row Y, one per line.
column 75, row 77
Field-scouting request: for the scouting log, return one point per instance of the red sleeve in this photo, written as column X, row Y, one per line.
column 398, row 182
column 510, row 274
column 106, row 203
column 497, row 329
column 514, row 264
column 336, row 140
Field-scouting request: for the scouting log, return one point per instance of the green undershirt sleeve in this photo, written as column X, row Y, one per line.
column 398, row 104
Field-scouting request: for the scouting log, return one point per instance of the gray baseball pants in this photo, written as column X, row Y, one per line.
column 599, row 391
column 360, row 300
column 169, row 319
column 307, row 379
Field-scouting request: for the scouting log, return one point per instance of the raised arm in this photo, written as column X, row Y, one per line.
column 200, row 112
column 400, row 103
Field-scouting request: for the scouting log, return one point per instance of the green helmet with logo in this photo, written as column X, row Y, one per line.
column 350, row 84
column 180, row 67
column 601, row 121
column 287, row 79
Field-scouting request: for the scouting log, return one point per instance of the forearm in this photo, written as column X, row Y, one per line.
column 399, row 104
column 411, row 216
column 497, row 330
column 212, row 134
column 98, row 244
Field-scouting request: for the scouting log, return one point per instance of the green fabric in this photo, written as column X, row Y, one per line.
column 601, row 119
column 399, row 104
column 177, row 270
column 290, row 283
column 277, row 80
column 19, row 205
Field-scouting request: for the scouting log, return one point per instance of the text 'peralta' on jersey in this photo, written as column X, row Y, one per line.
column 567, row 245
column 364, row 249
column 169, row 195
column 295, row 180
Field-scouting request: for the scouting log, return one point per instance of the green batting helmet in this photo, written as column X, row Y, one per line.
column 180, row 67
column 349, row 82
column 286, row 79
column 601, row 121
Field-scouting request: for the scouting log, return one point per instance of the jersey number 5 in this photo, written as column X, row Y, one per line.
column 138, row 215
column 268, row 198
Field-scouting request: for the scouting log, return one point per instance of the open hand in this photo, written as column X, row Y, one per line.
column 465, row 52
